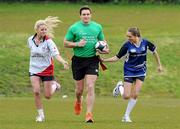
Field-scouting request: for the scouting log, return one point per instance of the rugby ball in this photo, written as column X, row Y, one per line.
column 101, row 45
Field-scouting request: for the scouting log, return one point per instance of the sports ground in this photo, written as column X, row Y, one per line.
column 158, row 106
column 150, row 113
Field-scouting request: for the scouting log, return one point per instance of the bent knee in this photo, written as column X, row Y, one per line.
column 79, row 91
column 126, row 96
column 47, row 96
column 90, row 90
column 36, row 92
column 135, row 96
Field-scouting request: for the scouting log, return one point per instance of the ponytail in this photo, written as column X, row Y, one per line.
column 50, row 22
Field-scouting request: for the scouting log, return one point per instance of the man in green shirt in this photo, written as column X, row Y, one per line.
column 82, row 37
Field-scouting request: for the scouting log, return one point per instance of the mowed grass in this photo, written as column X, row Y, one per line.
column 19, row 113
column 159, row 24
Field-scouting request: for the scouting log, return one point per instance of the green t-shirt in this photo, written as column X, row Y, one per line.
column 91, row 32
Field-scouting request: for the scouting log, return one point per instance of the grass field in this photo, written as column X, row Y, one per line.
column 19, row 113
column 158, row 23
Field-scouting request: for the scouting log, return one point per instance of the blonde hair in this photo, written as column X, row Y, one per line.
column 50, row 22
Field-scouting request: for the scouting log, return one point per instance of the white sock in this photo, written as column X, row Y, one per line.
column 130, row 106
column 121, row 89
column 40, row 112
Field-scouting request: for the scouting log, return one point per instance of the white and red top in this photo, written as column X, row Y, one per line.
column 41, row 56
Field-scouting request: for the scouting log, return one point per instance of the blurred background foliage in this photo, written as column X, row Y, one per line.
column 103, row 1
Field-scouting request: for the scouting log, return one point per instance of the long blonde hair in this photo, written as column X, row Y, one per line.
column 51, row 23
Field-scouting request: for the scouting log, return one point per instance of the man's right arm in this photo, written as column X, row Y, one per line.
column 68, row 39
column 71, row 44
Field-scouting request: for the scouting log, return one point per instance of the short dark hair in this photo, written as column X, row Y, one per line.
column 134, row 31
column 84, row 8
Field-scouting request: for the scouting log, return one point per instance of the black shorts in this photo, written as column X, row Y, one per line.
column 133, row 79
column 43, row 78
column 84, row 65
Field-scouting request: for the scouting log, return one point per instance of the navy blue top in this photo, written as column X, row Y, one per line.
column 135, row 62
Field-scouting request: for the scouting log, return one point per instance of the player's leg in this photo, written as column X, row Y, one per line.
column 79, row 89
column 90, row 98
column 127, row 90
column 127, row 95
column 91, row 77
column 78, row 75
column 35, row 81
column 49, row 86
column 48, row 89
column 134, row 95
column 79, row 92
column 90, row 82
column 133, row 100
column 136, row 89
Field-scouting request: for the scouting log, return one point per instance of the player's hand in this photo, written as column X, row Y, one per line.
column 66, row 65
column 104, row 51
column 160, row 69
column 101, row 59
column 82, row 43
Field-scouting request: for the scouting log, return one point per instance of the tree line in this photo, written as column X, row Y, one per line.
column 102, row 1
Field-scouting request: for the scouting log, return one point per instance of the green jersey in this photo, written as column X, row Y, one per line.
column 91, row 32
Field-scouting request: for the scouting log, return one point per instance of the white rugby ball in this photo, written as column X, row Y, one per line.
column 101, row 45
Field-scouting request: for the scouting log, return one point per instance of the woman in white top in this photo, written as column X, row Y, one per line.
column 42, row 51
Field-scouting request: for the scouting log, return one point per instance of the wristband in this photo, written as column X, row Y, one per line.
column 77, row 44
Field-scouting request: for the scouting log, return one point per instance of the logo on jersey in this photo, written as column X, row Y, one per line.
column 132, row 50
column 44, row 48
column 143, row 48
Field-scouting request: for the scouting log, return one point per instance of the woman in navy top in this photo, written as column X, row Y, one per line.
column 134, row 50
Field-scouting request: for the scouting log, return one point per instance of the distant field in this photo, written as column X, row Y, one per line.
column 157, row 23
column 19, row 113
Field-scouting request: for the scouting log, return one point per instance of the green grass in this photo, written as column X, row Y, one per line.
column 157, row 23
column 160, row 24
column 19, row 113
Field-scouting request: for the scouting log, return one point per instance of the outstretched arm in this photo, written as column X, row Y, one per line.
column 156, row 55
column 122, row 52
column 111, row 59
column 62, row 61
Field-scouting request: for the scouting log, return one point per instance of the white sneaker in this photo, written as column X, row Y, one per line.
column 55, row 87
column 126, row 119
column 40, row 118
column 119, row 89
column 58, row 86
